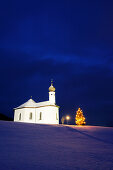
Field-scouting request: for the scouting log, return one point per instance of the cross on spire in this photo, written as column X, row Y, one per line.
column 51, row 81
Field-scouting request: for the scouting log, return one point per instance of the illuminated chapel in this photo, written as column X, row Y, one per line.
column 46, row 112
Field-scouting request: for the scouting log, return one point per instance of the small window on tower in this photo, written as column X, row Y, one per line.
column 20, row 116
column 30, row 116
column 40, row 117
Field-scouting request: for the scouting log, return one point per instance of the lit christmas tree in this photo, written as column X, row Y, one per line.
column 80, row 119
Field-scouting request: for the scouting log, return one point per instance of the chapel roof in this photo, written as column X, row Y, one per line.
column 32, row 104
column 29, row 103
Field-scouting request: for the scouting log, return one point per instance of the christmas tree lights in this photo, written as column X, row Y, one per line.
column 80, row 119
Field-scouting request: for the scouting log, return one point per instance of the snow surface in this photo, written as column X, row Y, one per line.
column 55, row 147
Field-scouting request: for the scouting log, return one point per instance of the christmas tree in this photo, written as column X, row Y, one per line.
column 80, row 119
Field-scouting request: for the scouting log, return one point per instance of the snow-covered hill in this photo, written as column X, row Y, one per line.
column 55, row 147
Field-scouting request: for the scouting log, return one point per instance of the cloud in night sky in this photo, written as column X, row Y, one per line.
column 71, row 42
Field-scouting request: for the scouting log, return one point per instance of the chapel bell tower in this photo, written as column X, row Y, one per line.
column 52, row 93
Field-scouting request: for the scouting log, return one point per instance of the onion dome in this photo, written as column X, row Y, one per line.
column 51, row 88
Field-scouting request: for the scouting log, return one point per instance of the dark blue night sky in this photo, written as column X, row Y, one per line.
column 68, row 41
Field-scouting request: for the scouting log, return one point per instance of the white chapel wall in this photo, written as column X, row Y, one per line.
column 48, row 115
column 19, row 115
column 29, row 115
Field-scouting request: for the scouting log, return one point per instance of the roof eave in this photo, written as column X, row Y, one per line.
column 36, row 107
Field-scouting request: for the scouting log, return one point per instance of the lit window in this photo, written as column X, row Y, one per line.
column 20, row 116
column 30, row 116
column 40, row 118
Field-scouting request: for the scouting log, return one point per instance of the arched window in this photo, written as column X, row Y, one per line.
column 40, row 117
column 30, row 115
column 56, row 116
column 20, row 116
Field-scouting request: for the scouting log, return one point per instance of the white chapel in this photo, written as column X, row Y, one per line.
column 43, row 112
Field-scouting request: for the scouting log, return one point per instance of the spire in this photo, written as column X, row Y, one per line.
column 51, row 82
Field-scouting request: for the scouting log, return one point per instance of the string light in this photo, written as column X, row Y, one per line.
column 80, row 119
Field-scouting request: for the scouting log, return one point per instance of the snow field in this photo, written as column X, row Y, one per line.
column 55, row 147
